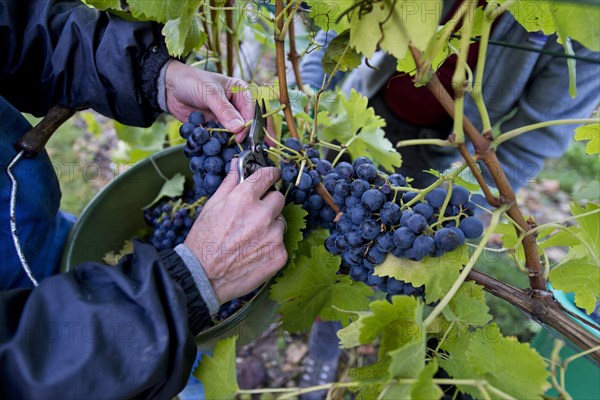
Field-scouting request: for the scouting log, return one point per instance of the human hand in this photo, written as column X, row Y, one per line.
column 189, row 89
column 237, row 238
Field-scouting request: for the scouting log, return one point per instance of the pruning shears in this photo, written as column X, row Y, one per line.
column 252, row 159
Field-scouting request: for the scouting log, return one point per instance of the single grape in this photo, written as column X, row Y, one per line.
column 197, row 163
column 359, row 187
column 330, row 181
column 351, row 200
column 385, row 242
column 324, row 167
column 300, row 196
column 436, row 197
column 369, row 229
column 408, row 196
column 367, row 172
column 423, row 209
column 228, row 154
column 214, row 165
column 341, row 243
column 424, row 246
column 358, row 273
column 375, row 255
column 471, row 227
column 289, row 173
column 459, row 195
column 312, row 153
column 373, row 199
column 360, row 161
column 293, row 144
column 355, row 238
column 305, row 182
column 404, row 238
column 186, row 129
column 212, row 147
column 315, row 177
column 390, row 214
column 327, row 214
column 374, row 280
column 405, row 217
column 200, row 135
column 344, row 170
column 212, row 183
column 417, row 223
column 196, row 118
column 449, row 239
column 394, row 286
column 315, row 202
column 342, row 188
column 357, row 213
column 397, row 180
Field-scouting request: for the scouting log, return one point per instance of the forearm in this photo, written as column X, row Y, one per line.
column 111, row 332
column 65, row 52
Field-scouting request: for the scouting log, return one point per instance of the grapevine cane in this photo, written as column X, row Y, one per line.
column 280, row 60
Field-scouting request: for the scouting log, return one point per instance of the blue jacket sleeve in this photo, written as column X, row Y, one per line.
column 102, row 332
column 545, row 98
column 311, row 68
column 65, row 52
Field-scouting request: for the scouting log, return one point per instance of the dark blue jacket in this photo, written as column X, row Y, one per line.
column 95, row 332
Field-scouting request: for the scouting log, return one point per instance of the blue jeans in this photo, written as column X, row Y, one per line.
column 42, row 229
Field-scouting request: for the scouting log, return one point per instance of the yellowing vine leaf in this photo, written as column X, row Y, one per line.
column 436, row 273
column 572, row 19
column 217, row 373
column 393, row 25
column 352, row 122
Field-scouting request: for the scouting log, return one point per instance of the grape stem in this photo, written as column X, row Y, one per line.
column 555, row 360
column 468, row 267
column 450, row 177
column 344, row 148
column 416, row 142
column 528, row 128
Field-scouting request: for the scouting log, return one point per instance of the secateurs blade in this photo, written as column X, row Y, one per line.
column 252, row 159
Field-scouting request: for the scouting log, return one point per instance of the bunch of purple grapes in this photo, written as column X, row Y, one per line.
column 171, row 221
column 382, row 216
column 210, row 152
column 303, row 190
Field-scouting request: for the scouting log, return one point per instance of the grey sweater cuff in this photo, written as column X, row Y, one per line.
column 161, row 88
column 200, row 279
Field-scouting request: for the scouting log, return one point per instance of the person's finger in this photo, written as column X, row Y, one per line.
column 229, row 183
column 260, row 181
column 280, row 225
column 275, row 201
column 229, row 116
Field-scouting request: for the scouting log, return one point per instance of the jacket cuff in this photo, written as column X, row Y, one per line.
column 200, row 279
column 150, row 72
column 198, row 314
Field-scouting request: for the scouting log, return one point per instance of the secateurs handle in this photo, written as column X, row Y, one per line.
column 36, row 138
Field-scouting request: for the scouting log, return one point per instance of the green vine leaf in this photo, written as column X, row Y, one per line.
column 424, row 388
column 325, row 13
column 339, row 53
column 309, row 288
column 183, row 35
column 171, row 188
column 569, row 18
column 408, row 360
column 436, row 273
column 581, row 278
column 468, row 306
column 217, row 373
column 487, row 355
column 592, row 133
column 353, row 123
column 139, row 143
column 294, row 217
column 397, row 323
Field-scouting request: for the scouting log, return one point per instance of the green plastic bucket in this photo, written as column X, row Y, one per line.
column 582, row 378
column 115, row 215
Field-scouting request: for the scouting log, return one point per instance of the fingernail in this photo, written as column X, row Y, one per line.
column 237, row 124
